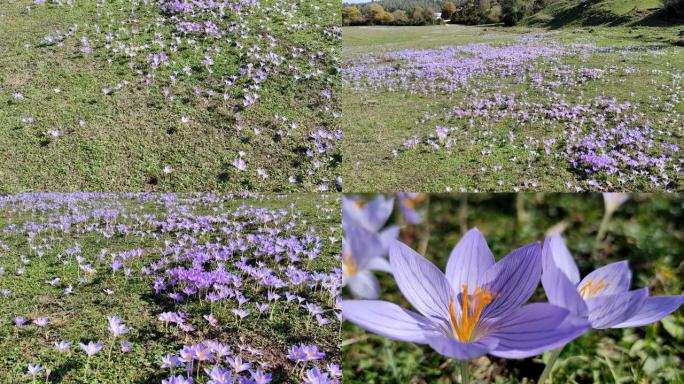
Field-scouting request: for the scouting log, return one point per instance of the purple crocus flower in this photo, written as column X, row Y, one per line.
column 41, row 321
column 363, row 252
column 613, row 200
column 260, row 377
column 603, row 296
column 475, row 309
column 371, row 215
column 125, row 346
column 315, row 376
column 408, row 202
column 34, row 369
column 116, row 326
column 177, row 380
column 62, row 346
column 237, row 364
column 219, row 375
column 91, row 348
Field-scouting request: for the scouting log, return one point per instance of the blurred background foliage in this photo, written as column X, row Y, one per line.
column 646, row 231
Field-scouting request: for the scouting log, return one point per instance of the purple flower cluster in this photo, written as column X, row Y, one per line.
column 220, row 263
column 604, row 143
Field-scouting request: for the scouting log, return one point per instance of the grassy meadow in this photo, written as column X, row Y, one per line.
column 149, row 96
column 645, row 231
column 75, row 260
column 456, row 108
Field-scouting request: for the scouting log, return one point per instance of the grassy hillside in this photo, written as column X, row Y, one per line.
column 127, row 95
column 611, row 12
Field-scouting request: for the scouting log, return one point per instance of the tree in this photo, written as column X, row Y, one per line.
column 375, row 12
column 417, row 17
column 513, row 11
column 676, row 7
column 448, row 9
column 352, row 16
column 385, row 18
column 400, row 17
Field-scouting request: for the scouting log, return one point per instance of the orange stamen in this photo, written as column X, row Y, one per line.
column 589, row 290
column 412, row 202
column 463, row 329
column 349, row 267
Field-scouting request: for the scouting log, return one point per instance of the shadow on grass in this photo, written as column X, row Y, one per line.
column 57, row 375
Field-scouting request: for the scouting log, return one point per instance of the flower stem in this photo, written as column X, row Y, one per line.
column 549, row 365
column 465, row 378
column 603, row 228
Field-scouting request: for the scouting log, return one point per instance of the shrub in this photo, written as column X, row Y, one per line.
column 352, row 16
column 513, row 11
column 470, row 14
column 676, row 7
column 448, row 10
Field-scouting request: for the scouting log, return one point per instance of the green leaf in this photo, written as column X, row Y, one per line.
column 673, row 327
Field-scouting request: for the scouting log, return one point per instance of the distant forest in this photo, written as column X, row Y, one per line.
column 508, row 12
column 424, row 12
column 407, row 5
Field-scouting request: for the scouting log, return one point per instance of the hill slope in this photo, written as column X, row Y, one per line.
column 587, row 12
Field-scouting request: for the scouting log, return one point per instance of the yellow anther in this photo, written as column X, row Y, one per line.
column 589, row 290
column 412, row 202
column 471, row 309
column 349, row 267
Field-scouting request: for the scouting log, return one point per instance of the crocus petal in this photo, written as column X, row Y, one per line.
column 363, row 245
column 411, row 215
column 364, row 285
column 469, row 260
column 388, row 320
column 372, row 216
column 388, row 235
column 421, row 282
column 608, row 311
column 561, row 292
column 379, row 264
column 512, row 280
column 616, row 278
column 556, row 253
column 534, row 329
column 614, row 200
column 450, row 347
column 378, row 211
column 654, row 309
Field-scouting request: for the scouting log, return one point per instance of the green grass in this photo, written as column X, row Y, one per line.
column 377, row 122
column 563, row 13
column 645, row 231
column 132, row 134
column 82, row 315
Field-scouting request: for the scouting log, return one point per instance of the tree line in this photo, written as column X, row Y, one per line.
column 469, row 12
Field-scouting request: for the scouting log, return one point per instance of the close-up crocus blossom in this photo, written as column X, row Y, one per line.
column 366, row 243
column 408, row 202
column 476, row 308
column 603, row 296
column 370, row 215
column 362, row 253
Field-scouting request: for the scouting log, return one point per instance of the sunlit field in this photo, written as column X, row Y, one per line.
column 152, row 288
column 161, row 95
column 642, row 230
column 454, row 108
